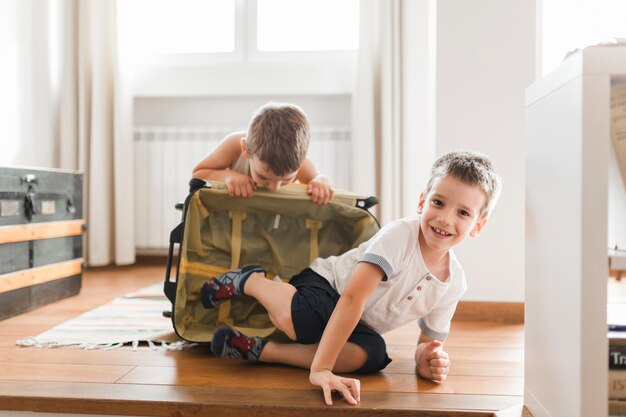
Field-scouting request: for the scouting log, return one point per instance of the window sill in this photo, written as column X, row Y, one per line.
column 244, row 79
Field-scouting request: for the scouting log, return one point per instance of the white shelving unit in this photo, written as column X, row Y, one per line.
column 567, row 160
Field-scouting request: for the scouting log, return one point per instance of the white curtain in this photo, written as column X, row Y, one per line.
column 65, row 103
column 96, row 127
column 27, row 83
column 392, row 134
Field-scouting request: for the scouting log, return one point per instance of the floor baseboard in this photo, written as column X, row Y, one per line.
column 500, row 312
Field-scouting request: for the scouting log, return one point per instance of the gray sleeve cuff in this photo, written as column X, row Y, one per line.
column 378, row 260
column 431, row 333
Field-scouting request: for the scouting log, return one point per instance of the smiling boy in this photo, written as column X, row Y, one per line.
column 337, row 309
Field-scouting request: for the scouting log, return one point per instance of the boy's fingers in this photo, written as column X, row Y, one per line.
column 347, row 389
column 431, row 350
column 439, row 362
column 322, row 196
column 355, row 384
column 439, row 377
column 328, row 398
column 347, row 395
column 329, row 195
column 439, row 370
column 434, row 345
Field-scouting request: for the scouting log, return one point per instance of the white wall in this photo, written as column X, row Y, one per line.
column 236, row 110
column 485, row 60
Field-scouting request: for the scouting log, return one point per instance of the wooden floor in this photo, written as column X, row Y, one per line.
column 486, row 375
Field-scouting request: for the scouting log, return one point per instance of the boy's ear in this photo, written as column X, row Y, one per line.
column 244, row 150
column 420, row 205
column 478, row 227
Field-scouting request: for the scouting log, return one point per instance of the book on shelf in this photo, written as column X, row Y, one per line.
column 617, row 338
column 617, row 384
column 617, row 357
column 617, row 349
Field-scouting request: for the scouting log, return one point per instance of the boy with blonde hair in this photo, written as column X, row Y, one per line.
column 271, row 153
column 337, row 309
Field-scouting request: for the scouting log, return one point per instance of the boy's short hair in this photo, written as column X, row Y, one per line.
column 278, row 136
column 471, row 168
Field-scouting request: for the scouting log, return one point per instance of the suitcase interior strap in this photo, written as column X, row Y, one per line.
column 314, row 226
column 237, row 218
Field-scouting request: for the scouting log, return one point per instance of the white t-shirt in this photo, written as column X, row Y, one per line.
column 242, row 165
column 408, row 291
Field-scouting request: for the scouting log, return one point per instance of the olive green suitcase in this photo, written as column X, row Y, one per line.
column 283, row 231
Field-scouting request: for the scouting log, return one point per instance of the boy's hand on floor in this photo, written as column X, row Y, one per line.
column 320, row 190
column 348, row 388
column 239, row 185
column 433, row 362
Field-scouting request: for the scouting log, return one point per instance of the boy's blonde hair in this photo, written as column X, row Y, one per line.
column 472, row 168
column 278, row 136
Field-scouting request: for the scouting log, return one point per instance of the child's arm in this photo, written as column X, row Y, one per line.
column 344, row 319
column 431, row 360
column 319, row 186
column 215, row 166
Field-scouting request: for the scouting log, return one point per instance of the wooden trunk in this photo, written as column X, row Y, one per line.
column 41, row 244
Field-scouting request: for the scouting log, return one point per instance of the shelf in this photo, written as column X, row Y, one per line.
column 567, row 177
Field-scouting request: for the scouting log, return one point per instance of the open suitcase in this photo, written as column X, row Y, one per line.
column 283, row 231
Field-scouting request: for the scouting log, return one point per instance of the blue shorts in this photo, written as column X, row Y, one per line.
column 311, row 307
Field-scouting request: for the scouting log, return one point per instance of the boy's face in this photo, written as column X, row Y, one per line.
column 264, row 176
column 450, row 212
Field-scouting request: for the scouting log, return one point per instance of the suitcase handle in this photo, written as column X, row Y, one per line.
column 29, row 179
column 366, row 203
column 169, row 287
column 29, row 203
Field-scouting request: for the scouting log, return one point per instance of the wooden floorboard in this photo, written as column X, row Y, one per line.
column 486, row 375
column 200, row 400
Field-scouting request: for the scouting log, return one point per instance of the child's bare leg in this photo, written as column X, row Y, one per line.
column 276, row 298
column 351, row 357
column 250, row 280
column 230, row 343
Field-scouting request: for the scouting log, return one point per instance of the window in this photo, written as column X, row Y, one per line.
column 237, row 29
column 322, row 25
column 239, row 47
column 154, row 27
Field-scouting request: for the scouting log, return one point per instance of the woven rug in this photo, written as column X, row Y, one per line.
column 132, row 318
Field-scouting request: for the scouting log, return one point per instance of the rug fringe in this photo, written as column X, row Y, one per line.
column 153, row 344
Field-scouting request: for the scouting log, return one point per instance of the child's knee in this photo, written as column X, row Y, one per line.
column 352, row 357
column 283, row 321
column 376, row 361
column 376, row 358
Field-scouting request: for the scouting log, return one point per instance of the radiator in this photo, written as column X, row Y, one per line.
column 165, row 157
